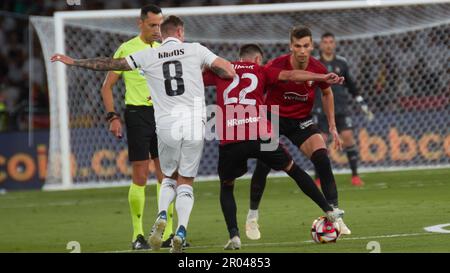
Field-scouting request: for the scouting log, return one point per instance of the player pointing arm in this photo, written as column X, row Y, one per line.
column 99, row 64
column 236, row 147
column 219, row 66
column 295, row 102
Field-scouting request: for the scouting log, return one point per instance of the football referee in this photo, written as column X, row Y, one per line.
column 139, row 121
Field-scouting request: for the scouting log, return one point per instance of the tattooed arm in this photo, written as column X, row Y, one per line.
column 220, row 72
column 223, row 68
column 101, row 63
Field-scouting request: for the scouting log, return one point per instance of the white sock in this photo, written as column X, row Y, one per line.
column 184, row 204
column 252, row 214
column 167, row 193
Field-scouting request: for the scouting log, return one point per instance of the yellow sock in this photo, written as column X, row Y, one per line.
column 136, row 199
column 169, row 225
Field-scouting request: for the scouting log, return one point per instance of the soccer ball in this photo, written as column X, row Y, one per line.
column 324, row 231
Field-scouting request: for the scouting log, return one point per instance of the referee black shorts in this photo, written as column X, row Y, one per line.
column 343, row 122
column 141, row 132
column 233, row 158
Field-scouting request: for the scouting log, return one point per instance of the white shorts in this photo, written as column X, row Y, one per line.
column 179, row 153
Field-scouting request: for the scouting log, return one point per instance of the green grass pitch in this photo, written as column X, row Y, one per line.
column 392, row 209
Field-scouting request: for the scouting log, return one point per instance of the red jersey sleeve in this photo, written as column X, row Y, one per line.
column 209, row 78
column 271, row 73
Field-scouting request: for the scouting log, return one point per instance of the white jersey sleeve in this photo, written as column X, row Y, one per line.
column 206, row 56
column 141, row 59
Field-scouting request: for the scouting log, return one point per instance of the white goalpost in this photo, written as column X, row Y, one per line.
column 397, row 52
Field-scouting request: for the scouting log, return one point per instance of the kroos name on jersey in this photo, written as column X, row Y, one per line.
column 176, row 52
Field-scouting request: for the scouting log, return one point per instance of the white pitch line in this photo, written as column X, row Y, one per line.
column 303, row 242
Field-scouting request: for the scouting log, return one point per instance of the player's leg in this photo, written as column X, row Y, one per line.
column 322, row 124
column 169, row 154
column 168, row 232
column 257, row 186
column 281, row 160
column 314, row 147
column 351, row 150
column 307, row 137
column 232, row 164
column 190, row 155
column 229, row 210
column 345, row 128
column 167, row 195
column 183, row 205
column 228, row 206
column 152, row 138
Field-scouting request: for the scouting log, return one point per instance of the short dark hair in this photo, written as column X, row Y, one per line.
column 299, row 32
column 250, row 49
column 149, row 8
column 171, row 23
column 327, row 34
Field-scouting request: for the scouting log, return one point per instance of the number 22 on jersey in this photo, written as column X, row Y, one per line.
column 244, row 91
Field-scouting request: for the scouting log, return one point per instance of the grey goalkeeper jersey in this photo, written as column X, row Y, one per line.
column 342, row 93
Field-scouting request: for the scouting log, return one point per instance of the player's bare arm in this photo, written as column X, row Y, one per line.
column 99, row 64
column 332, row 78
column 115, row 125
column 301, row 75
column 223, row 68
column 328, row 108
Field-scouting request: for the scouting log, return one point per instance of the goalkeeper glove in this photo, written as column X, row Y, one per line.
column 365, row 108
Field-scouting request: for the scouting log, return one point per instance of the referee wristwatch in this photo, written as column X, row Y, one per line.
column 112, row 116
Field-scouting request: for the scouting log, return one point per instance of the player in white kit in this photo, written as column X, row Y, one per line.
column 174, row 73
column 175, row 70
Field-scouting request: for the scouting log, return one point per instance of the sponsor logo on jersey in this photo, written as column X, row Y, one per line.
column 236, row 122
column 176, row 52
column 295, row 96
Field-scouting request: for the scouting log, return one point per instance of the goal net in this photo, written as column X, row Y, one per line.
column 398, row 53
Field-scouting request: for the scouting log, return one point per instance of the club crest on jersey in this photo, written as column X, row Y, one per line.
column 310, row 83
column 337, row 70
column 294, row 96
